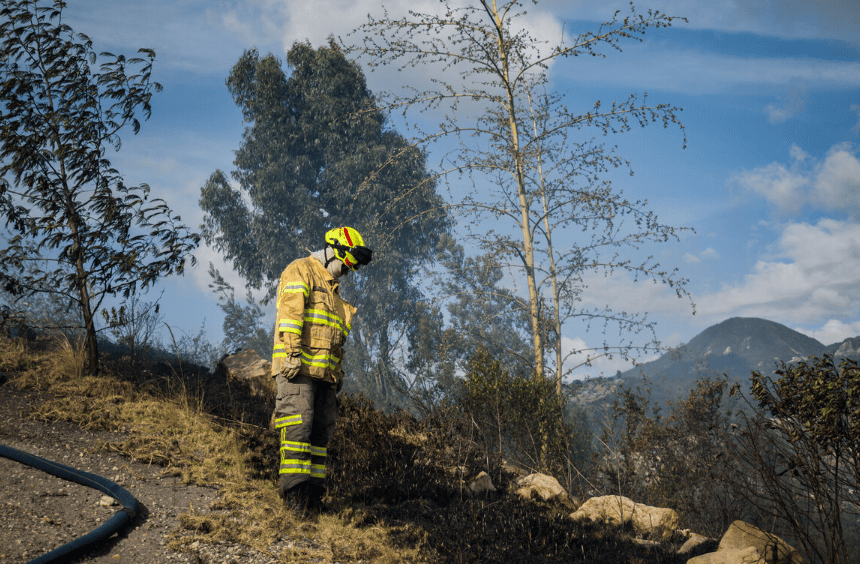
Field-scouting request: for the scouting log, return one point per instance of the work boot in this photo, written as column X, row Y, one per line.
column 315, row 503
column 298, row 498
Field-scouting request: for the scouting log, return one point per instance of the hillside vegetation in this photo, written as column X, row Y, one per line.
column 398, row 484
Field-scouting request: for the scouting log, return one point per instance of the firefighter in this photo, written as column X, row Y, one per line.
column 307, row 362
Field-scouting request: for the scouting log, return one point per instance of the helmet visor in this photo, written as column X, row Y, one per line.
column 362, row 255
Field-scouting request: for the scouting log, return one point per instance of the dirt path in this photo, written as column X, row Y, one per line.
column 39, row 512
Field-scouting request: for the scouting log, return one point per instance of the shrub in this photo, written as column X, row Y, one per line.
column 798, row 460
column 676, row 461
column 520, row 418
column 379, row 457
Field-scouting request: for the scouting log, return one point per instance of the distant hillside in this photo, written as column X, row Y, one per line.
column 735, row 347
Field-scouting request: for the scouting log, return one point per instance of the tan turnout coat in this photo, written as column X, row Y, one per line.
column 313, row 322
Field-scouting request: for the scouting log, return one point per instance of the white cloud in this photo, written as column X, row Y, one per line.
column 833, row 331
column 792, row 103
column 208, row 37
column 690, row 71
column 809, row 279
column 812, row 277
column 837, row 180
column 708, row 254
column 789, row 19
column 692, row 259
column 313, row 22
column 622, row 294
column 601, row 365
column 195, row 36
column 830, row 184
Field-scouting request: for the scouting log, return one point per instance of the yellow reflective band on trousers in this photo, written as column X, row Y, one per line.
column 321, row 360
column 321, row 317
column 319, row 451
column 288, row 420
column 317, row 470
column 296, row 288
column 295, row 466
column 295, row 446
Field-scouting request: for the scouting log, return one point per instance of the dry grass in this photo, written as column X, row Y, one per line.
column 169, row 428
column 70, row 357
column 396, row 499
column 14, row 355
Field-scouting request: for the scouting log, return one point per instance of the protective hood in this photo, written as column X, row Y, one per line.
column 334, row 266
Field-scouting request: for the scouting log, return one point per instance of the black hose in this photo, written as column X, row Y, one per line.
column 120, row 518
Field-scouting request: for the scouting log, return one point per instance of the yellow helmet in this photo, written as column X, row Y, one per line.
column 348, row 246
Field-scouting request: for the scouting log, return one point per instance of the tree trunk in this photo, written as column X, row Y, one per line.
column 528, row 243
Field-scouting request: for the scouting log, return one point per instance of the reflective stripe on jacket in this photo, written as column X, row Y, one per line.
column 313, row 321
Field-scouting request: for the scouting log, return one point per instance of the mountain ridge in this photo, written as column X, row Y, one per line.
column 734, row 347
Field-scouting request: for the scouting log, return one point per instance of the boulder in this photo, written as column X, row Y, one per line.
column 619, row 510
column 482, row 483
column 247, row 366
column 748, row 555
column 770, row 546
column 747, row 544
column 546, row 487
column 513, row 469
column 692, row 542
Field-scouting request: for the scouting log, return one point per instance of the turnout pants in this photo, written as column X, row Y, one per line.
column 305, row 412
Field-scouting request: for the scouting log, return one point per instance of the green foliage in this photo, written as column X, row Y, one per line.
column 484, row 315
column 518, row 417
column 243, row 328
column 318, row 153
column 532, row 173
column 798, row 462
column 135, row 325
column 824, row 400
column 63, row 202
column 678, row 460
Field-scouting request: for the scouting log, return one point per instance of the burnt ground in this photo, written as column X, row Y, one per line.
column 40, row 512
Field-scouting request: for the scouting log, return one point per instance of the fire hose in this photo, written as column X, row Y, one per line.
column 120, row 518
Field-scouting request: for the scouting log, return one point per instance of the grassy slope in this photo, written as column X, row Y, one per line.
column 397, row 483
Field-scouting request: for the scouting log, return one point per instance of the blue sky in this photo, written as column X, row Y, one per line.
column 770, row 178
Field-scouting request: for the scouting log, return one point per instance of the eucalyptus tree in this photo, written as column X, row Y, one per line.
column 66, row 208
column 317, row 152
column 487, row 68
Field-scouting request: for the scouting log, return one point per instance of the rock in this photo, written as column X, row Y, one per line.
column 645, row 542
column 748, row 555
column 618, row 510
column 747, row 544
column 513, row 469
column 692, row 542
column 247, row 366
column 546, row 487
column 774, row 549
column 108, row 501
column 482, row 483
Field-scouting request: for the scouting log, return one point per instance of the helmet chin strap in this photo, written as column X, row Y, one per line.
column 329, row 258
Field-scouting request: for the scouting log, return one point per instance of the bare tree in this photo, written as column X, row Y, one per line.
column 565, row 178
column 500, row 69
